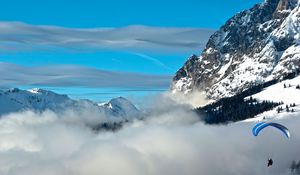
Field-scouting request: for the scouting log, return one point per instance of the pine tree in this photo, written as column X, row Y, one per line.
column 278, row 110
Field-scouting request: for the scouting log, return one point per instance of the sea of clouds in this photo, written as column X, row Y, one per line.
column 171, row 140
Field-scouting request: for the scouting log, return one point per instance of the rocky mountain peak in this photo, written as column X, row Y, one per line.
column 252, row 47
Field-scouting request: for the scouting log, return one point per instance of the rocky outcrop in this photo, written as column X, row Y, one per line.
column 253, row 47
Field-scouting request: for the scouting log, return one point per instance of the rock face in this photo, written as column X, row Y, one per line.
column 254, row 46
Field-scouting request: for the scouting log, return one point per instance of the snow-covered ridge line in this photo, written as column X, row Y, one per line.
column 16, row 100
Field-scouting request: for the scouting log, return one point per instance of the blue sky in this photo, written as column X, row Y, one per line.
column 142, row 37
column 119, row 13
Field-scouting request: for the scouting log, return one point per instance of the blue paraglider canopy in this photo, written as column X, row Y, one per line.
column 260, row 126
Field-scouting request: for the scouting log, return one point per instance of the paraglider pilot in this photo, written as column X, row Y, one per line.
column 260, row 126
column 270, row 162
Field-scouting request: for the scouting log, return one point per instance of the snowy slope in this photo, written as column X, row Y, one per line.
column 278, row 93
column 15, row 100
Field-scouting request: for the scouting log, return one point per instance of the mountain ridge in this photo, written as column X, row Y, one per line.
column 252, row 47
column 39, row 100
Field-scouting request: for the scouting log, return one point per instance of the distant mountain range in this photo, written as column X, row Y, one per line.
column 253, row 47
column 16, row 100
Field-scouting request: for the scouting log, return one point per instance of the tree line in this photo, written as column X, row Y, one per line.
column 238, row 107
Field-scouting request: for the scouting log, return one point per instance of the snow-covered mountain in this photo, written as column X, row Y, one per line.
column 253, row 47
column 121, row 107
column 15, row 100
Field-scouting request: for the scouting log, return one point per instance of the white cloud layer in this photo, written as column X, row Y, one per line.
column 170, row 141
column 17, row 36
column 12, row 75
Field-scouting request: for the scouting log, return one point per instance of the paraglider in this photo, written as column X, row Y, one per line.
column 260, row 126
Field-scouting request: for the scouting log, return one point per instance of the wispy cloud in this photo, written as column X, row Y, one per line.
column 17, row 36
column 12, row 75
column 153, row 60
